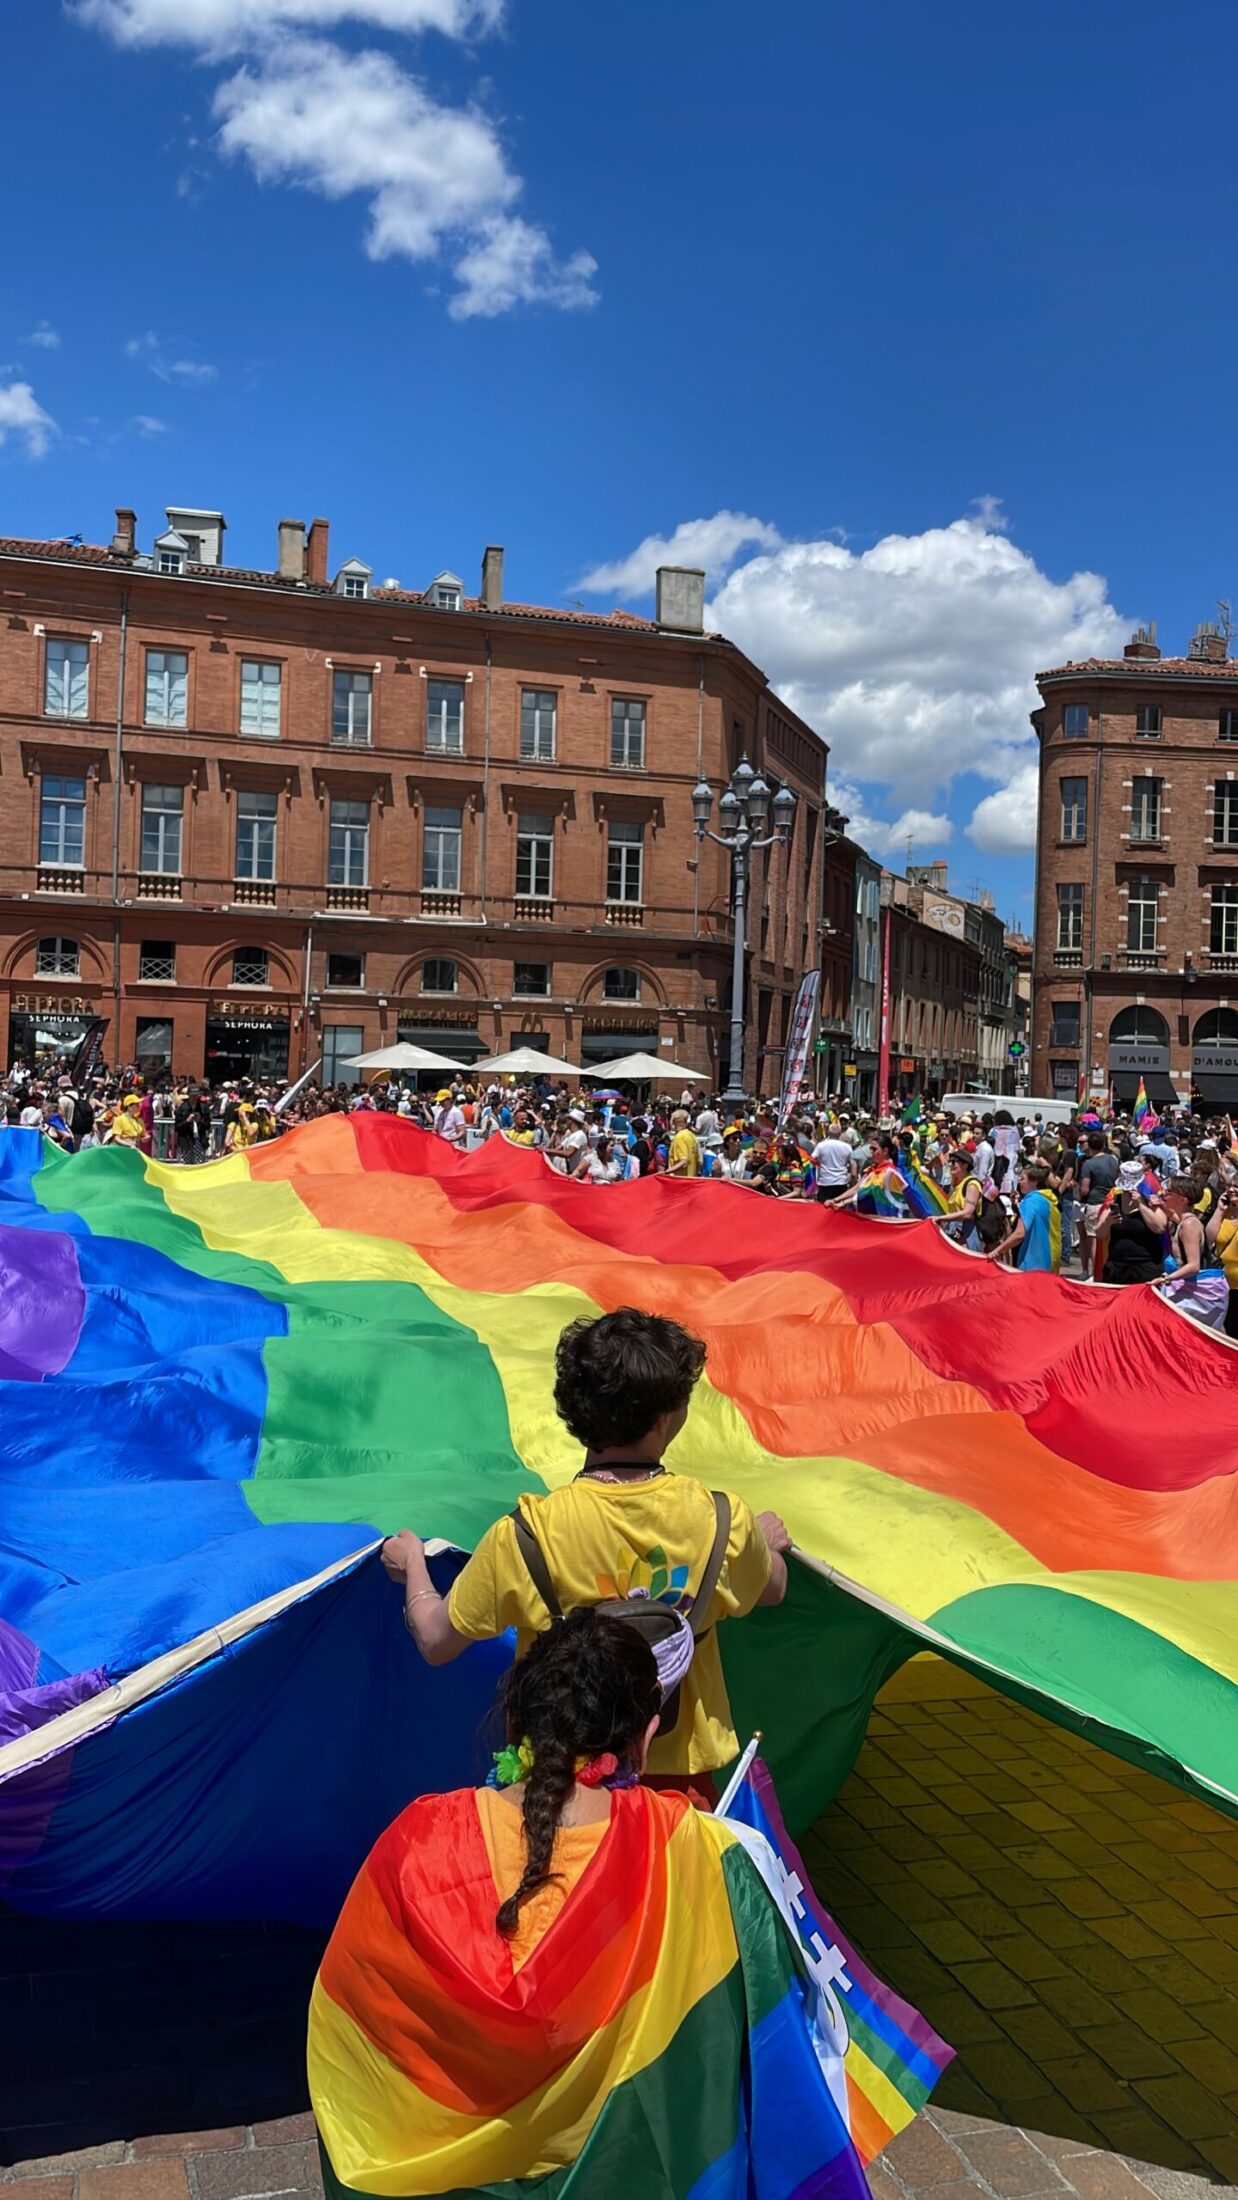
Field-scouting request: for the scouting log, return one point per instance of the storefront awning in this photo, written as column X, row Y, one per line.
column 607, row 1046
column 457, row 1039
column 1159, row 1090
column 1215, row 1091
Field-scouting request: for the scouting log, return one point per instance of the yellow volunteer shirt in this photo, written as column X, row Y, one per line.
column 603, row 1539
column 685, row 1146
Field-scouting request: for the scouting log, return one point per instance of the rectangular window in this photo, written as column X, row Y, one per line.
column 1225, row 813
column 352, row 695
column 1142, row 909
column 1074, row 809
column 157, row 962
column 1075, row 721
column 440, row 853
column 1069, row 918
column 66, row 680
column 1223, row 937
column 251, row 966
column 57, row 958
column 261, row 690
column 539, row 710
column 340, row 1043
column 255, row 836
column 1228, row 725
column 1148, row 721
column 346, row 970
column 620, row 983
column 530, row 981
column 445, row 717
column 62, row 822
column 625, row 851
column 167, row 687
column 535, row 847
column 440, row 975
column 348, row 857
column 163, row 810
column 1064, row 1031
column 627, row 734
column 1146, row 809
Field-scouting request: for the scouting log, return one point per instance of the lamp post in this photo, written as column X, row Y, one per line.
column 743, row 812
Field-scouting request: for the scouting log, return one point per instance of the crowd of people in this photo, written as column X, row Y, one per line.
column 1112, row 1202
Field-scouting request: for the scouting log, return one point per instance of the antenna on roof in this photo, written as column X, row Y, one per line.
column 1226, row 610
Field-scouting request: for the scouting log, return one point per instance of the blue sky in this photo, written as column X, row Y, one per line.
column 914, row 324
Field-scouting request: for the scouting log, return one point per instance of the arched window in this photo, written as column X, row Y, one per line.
column 251, row 966
column 620, row 984
column 1139, row 1026
column 57, row 958
column 1219, row 1028
column 440, row 975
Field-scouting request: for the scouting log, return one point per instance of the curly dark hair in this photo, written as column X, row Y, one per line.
column 615, row 1375
column 587, row 1685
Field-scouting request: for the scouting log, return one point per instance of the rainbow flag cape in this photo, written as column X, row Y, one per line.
column 924, row 1195
column 220, row 1385
column 878, row 1196
column 655, row 2037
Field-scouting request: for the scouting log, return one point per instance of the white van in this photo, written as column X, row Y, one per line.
column 1024, row 1106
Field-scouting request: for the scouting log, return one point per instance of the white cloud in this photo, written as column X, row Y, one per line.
column 304, row 111
column 223, row 26
column 311, row 115
column 148, row 426
column 153, row 352
column 712, row 543
column 915, row 659
column 21, row 414
column 44, row 337
column 1005, row 822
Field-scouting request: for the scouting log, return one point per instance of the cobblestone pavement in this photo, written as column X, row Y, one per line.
column 1065, row 1921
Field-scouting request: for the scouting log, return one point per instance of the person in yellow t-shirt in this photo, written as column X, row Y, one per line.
column 684, row 1157
column 626, row 1524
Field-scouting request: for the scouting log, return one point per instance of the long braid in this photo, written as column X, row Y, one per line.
column 587, row 1685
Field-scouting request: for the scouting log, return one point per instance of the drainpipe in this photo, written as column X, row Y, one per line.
column 700, row 773
column 1089, row 973
column 485, row 787
column 305, row 991
column 117, row 770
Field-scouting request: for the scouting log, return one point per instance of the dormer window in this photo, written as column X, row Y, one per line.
column 171, row 551
column 446, row 592
column 353, row 581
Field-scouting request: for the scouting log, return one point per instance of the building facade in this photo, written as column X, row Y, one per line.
column 1136, row 941
column 263, row 818
column 934, row 962
column 838, row 939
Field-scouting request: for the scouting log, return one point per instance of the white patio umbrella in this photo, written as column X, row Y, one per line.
column 401, row 1056
column 528, row 1062
column 644, row 1069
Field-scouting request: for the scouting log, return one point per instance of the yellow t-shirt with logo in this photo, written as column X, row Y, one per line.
column 686, row 1147
column 603, row 1539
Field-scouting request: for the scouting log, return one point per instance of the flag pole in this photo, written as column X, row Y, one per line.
column 738, row 1777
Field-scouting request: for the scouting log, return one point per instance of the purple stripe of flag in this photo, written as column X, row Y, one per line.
column 42, row 1303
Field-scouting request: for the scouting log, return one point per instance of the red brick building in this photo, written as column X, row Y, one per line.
column 1136, row 958
column 258, row 817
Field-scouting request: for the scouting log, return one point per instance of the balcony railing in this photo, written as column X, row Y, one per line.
column 356, row 898
column 1141, row 958
column 1219, row 961
column 158, row 886
column 436, row 904
column 625, row 912
column 54, row 879
column 1068, row 958
column 534, row 909
column 253, row 893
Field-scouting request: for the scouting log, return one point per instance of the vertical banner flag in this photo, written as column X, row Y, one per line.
column 293, row 1090
column 883, row 1058
column 891, row 2058
column 799, row 1039
column 88, row 1059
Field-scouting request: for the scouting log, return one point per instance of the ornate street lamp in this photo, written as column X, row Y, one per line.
column 743, row 813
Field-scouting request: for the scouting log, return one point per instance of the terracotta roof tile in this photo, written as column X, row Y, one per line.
column 90, row 553
column 1145, row 668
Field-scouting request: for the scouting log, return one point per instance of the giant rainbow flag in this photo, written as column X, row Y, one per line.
column 218, row 1387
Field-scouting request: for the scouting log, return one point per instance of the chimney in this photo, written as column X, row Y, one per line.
column 316, row 551
column 681, row 599
column 1208, row 646
column 1141, row 647
column 492, row 577
column 124, row 541
column 292, row 549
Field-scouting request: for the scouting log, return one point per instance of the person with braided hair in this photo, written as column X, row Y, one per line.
column 567, row 1983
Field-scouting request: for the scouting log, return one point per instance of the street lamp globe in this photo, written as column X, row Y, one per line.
column 730, row 809
column 741, row 779
column 784, row 812
column 702, row 803
column 758, row 804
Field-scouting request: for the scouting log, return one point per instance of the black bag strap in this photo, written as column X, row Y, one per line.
column 535, row 1559
column 539, row 1572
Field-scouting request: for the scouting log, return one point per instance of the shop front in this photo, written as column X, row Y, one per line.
column 1133, row 1062
column 44, row 1027
column 251, row 1043
column 1214, row 1063
column 609, row 1042
column 459, row 1042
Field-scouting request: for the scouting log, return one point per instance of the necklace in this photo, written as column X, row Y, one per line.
column 621, row 1472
